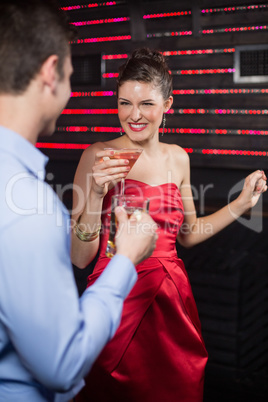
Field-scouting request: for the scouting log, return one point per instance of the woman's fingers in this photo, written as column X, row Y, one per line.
column 108, row 170
column 254, row 186
column 259, row 182
column 256, row 181
column 260, row 186
column 111, row 167
column 105, row 174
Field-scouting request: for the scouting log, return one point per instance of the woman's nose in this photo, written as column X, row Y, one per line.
column 135, row 114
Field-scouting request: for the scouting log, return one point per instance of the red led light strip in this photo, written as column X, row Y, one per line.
column 101, row 39
column 215, row 131
column 49, row 145
column 165, row 34
column 83, row 129
column 226, row 152
column 232, row 152
column 164, row 15
column 54, row 145
column 233, row 9
column 219, row 111
column 92, row 5
column 169, row 53
column 222, row 91
column 92, row 93
column 170, row 14
column 97, row 129
column 204, row 71
column 186, row 72
column 114, row 56
column 234, row 29
column 161, row 34
column 123, row 19
column 197, row 51
column 205, row 91
column 207, row 31
column 102, row 21
column 89, row 111
column 110, row 75
column 175, row 111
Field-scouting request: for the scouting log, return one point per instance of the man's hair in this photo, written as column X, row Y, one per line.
column 30, row 32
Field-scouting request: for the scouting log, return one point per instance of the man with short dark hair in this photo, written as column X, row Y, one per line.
column 49, row 338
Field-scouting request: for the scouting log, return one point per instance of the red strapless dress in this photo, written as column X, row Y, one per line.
column 157, row 353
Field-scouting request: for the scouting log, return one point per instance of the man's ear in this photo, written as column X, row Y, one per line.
column 168, row 103
column 48, row 72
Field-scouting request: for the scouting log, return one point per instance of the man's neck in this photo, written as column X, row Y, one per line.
column 17, row 115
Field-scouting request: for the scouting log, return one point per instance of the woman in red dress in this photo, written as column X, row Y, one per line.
column 157, row 353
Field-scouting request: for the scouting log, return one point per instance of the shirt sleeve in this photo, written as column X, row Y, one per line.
column 56, row 336
column 105, row 295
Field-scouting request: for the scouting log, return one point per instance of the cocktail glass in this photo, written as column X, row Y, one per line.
column 133, row 205
column 132, row 154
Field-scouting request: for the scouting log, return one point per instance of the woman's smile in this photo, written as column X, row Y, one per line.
column 137, row 126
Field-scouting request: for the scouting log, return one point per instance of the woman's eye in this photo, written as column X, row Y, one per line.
column 122, row 103
column 147, row 104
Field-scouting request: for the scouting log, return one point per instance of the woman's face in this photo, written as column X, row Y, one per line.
column 140, row 109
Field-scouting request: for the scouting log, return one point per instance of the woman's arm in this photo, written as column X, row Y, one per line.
column 195, row 230
column 94, row 174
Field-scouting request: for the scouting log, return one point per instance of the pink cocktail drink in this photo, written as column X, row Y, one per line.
column 132, row 154
column 126, row 153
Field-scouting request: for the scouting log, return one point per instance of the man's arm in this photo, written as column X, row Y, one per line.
column 45, row 320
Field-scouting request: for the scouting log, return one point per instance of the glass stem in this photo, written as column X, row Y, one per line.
column 122, row 190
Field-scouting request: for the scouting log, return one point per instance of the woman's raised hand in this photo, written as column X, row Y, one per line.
column 106, row 171
column 255, row 184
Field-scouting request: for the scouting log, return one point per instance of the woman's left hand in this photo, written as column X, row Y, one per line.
column 254, row 186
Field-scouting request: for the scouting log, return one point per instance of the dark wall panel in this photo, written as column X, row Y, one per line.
column 208, row 32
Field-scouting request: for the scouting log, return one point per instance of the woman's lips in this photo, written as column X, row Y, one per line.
column 137, row 126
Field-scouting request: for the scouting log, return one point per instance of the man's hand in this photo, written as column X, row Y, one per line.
column 135, row 237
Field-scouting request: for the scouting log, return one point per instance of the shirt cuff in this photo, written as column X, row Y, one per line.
column 120, row 273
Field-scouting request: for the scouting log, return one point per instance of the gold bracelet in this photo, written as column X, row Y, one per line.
column 85, row 236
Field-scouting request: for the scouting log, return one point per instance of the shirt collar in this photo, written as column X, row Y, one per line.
column 24, row 151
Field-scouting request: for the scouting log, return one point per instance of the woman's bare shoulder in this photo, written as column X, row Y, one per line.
column 177, row 153
column 93, row 148
column 87, row 159
column 100, row 146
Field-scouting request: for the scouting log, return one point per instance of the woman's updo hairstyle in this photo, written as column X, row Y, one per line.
column 146, row 65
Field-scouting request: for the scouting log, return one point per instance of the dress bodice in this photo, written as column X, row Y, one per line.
column 166, row 208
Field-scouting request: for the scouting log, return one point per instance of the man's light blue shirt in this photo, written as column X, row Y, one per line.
column 49, row 338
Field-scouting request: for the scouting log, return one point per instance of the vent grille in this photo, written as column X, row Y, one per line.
column 251, row 64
